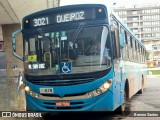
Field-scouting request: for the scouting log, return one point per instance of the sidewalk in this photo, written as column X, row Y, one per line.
column 11, row 99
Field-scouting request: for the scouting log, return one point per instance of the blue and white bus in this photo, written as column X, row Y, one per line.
column 60, row 71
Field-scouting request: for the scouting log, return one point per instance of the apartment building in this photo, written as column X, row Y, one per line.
column 144, row 21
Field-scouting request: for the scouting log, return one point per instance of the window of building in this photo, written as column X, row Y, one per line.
column 135, row 30
column 148, row 35
column 135, row 12
column 135, row 18
column 135, row 24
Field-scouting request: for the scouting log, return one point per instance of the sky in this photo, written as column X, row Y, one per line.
column 127, row 3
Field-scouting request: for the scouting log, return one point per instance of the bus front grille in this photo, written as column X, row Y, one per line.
column 61, row 82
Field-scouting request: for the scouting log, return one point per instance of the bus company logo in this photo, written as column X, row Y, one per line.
column 6, row 114
column 21, row 114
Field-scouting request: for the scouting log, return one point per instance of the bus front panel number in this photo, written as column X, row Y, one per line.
column 40, row 21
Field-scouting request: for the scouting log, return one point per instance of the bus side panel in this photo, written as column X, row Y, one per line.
column 117, row 88
column 134, row 72
column 119, row 83
column 131, row 77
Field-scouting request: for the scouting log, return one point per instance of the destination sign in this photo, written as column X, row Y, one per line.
column 40, row 21
column 37, row 20
column 70, row 17
column 61, row 18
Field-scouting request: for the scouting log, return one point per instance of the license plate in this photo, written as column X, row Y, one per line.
column 63, row 103
column 46, row 90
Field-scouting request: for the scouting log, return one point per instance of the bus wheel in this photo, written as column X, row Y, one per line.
column 142, row 88
column 123, row 106
column 121, row 109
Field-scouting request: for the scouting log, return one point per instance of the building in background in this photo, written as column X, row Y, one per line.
column 144, row 21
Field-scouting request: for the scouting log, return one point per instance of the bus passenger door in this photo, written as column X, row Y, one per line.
column 117, row 72
column 122, row 36
column 118, row 36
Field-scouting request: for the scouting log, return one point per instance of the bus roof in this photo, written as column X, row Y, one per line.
column 65, row 14
column 64, row 9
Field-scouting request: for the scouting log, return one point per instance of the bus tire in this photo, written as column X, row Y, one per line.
column 142, row 87
column 121, row 108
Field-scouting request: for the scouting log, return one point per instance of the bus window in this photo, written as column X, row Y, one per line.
column 26, row 48
column 143, row 55
column 128, row 47
column 138, row 54
column 125, row 53
column 68, row 50
column 131, row 49
column 32, row 48
column 126, row 37
column 135, row 45
column 131, row 42
column 122, row 37
column 115, row 37
column 117, row 44
column 135, row 51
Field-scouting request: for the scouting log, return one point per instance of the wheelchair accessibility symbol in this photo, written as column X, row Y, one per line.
column 66, row 67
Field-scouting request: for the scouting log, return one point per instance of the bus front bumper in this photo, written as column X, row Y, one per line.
column 103, row 102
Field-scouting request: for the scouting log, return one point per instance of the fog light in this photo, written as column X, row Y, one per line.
column 90, row 94
column 27, row 89
column 99, row 91
column 31, row 93
column 36, row 95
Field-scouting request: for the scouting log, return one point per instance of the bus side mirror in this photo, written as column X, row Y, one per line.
column 114, row 25
column 122, row 38
column 14, row 44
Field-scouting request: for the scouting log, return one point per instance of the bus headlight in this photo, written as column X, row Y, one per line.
column 27, row 89
column 106, row 85
column 103, row 88
column 31, row 93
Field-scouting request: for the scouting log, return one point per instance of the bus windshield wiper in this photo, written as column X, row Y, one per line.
column 46, row 38
column 77, row 32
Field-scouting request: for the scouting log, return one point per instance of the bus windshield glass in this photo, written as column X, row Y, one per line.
column 71, row 51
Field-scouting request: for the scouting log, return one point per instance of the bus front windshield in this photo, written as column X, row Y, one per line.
column 71, row 51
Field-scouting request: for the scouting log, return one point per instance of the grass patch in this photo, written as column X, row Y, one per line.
column 155, row 72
